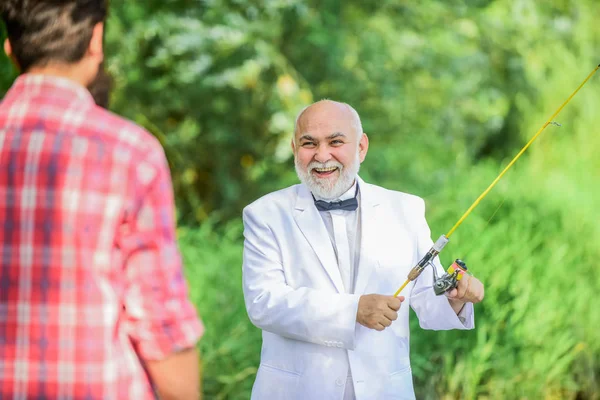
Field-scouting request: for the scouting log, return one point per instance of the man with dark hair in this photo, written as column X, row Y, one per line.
column 93, row 300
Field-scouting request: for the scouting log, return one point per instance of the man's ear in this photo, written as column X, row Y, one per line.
column 96, row 47
column 293, row 146
column 363, row 146
column 8, row 48
column 9, row 53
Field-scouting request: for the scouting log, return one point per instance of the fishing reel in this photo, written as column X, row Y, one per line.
column 441, row 284
column 450, row 279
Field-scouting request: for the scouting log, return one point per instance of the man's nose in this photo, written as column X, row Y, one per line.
column 322, row 154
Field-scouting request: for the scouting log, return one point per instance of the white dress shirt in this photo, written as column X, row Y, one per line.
column 351, row 221
column 344, row 232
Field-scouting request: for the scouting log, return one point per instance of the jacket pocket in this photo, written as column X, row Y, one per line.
column 273, row 383
column 400, row 385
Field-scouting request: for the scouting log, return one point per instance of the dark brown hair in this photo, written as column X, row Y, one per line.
column 45, row 31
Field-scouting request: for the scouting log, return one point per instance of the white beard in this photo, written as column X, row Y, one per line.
column 324, row 188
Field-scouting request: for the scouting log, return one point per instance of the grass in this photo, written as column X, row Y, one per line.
column 533, row 241
column 231, row 345
column 536, row 331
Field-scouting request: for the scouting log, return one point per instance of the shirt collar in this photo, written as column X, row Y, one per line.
column 36, row 84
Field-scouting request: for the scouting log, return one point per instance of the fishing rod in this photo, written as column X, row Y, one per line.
column 456, row 271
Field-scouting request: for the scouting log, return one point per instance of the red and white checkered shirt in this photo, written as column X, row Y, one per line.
column 91, row 278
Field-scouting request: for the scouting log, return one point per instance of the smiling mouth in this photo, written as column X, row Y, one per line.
column 324, row 172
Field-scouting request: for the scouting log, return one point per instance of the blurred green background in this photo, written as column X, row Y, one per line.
column 448, row 92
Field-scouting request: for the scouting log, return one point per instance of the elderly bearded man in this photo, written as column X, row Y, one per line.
column 315, row 277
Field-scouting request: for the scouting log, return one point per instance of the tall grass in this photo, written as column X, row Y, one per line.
column 536, row 330
column 535, row 333
column 534, row 242
column 230, row 347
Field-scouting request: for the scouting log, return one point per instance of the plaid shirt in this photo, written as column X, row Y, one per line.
column 91, row 277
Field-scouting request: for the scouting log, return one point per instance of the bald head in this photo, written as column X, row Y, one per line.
column 323, row 112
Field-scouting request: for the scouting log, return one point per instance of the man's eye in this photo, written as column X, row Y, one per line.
column 337, row 142
column 308, row 144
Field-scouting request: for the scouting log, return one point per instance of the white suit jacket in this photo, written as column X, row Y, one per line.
column 294, row 293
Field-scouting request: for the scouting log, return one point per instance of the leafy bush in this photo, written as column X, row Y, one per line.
column 448, row 91
column 535, row 333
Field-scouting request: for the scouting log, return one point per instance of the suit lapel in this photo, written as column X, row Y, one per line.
column 370, row 223
column 311, row 224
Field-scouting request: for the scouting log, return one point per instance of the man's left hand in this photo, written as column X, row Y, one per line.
column 469, row 290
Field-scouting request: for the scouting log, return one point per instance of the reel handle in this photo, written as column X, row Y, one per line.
column 450, row 279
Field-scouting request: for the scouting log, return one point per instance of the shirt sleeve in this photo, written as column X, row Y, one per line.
column 160, row 316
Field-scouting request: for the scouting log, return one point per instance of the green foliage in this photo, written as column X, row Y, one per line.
column 535, row 333
column 231, row 345
column 212, row 84
column 448, row 92
column 532, row 241
column 220, row 83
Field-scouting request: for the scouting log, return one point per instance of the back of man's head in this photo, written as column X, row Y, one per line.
column 42, row 32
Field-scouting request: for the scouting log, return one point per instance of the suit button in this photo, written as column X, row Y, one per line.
column 339, row 382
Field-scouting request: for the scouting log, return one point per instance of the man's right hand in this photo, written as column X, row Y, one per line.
column 376, row 311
